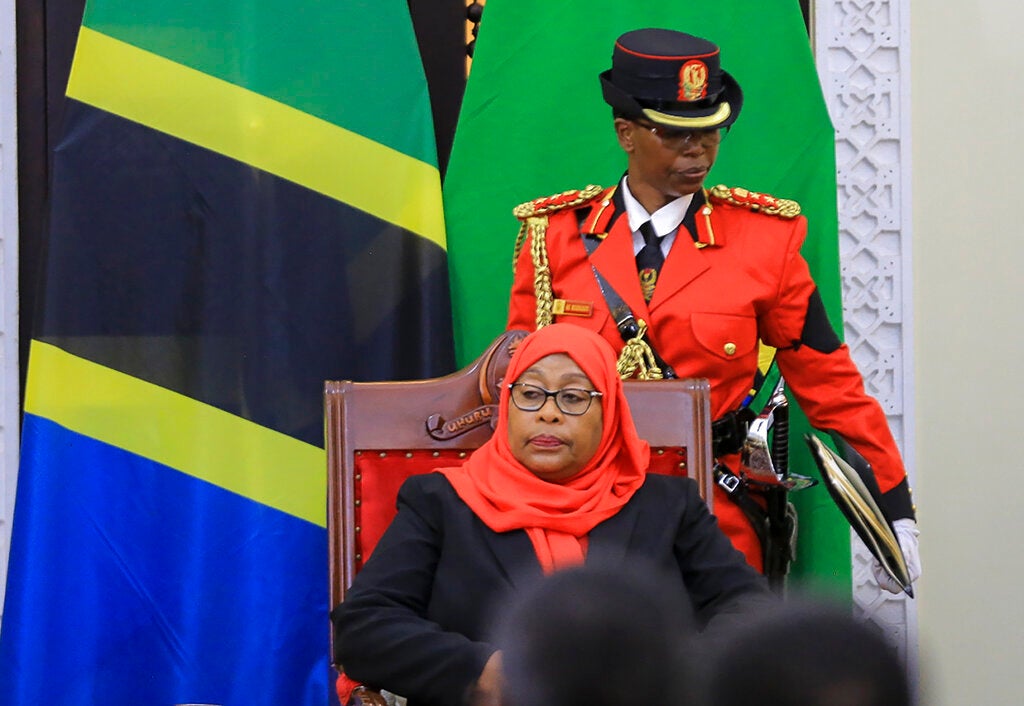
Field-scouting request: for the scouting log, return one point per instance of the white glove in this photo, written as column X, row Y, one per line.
column 906, row 532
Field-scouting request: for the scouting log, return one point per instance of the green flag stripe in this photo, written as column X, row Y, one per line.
column 258, row 131
column 364, row 55
column 197, row 439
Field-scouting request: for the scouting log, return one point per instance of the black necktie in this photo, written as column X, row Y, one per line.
column 649, row 260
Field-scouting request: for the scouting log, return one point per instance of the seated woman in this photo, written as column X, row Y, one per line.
column 562, row 482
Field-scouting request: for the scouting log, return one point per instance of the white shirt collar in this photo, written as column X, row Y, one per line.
column 665, row 220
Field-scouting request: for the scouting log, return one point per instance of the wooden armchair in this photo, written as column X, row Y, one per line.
column 379, row 434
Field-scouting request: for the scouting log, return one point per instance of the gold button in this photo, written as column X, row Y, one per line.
column 730, row 348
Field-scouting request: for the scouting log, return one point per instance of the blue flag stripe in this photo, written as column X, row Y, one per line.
column 143, row 585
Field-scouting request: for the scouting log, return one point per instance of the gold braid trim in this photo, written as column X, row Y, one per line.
column 762, row 203
column 519, row 244
column 551, row 204
column 544, row 206
column 534, row 217
column 538, row 229
column 637, row 357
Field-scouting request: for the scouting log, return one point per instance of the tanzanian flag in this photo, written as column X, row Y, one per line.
column 533, row 123
column 245, row 202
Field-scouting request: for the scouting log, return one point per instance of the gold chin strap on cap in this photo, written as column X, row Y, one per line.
column 702, row 123
column 637, row 357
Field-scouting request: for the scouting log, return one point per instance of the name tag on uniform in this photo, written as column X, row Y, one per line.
column 572, row 307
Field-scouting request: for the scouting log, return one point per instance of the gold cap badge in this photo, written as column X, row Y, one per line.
column 693, row 80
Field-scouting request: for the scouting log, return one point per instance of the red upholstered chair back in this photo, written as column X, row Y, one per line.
column 379, row 434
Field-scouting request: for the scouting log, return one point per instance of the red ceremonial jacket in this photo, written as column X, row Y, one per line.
column 739, row 278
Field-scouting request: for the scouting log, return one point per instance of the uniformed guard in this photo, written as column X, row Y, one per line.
column 690, row 281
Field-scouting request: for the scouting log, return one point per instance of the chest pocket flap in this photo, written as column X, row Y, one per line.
column 726, row 336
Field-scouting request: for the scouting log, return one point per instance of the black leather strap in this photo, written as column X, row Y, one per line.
column 729, row 431
column 736, row 489
column 774, row 525
column 625, row 322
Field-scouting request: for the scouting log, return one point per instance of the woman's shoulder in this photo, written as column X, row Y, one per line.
column 430, row 497
column 433, row 483
column 666, row 500
column 670, row 487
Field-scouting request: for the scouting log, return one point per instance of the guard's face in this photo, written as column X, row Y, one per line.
column 665, row 164
column 549, row 442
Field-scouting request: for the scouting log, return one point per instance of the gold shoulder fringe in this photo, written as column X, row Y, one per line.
column 551, row 204
column 762, row 203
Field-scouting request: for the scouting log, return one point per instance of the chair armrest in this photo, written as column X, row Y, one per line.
column 365, row 696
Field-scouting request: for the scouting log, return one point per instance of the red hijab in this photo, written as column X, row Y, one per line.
column 557, row 516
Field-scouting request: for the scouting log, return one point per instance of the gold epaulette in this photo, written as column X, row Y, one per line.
column 550, row 204
column 762, row 203
column 534, row 216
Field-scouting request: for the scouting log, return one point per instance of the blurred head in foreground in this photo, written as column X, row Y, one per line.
column 807, row 654
column 592, row 636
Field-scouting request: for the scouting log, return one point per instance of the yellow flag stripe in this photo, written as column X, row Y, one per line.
column 205, row 442
column 765, row 356
column 220, row 116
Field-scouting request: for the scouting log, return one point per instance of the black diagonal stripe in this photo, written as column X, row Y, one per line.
column 206, row 276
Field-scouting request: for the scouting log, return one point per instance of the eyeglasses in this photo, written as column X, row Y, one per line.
column 571, row 400
column 674, row 138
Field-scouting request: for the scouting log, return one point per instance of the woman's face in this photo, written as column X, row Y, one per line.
column 662, row 169
column 553, row 444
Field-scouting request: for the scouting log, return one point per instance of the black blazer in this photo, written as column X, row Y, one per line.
column 416, row 619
